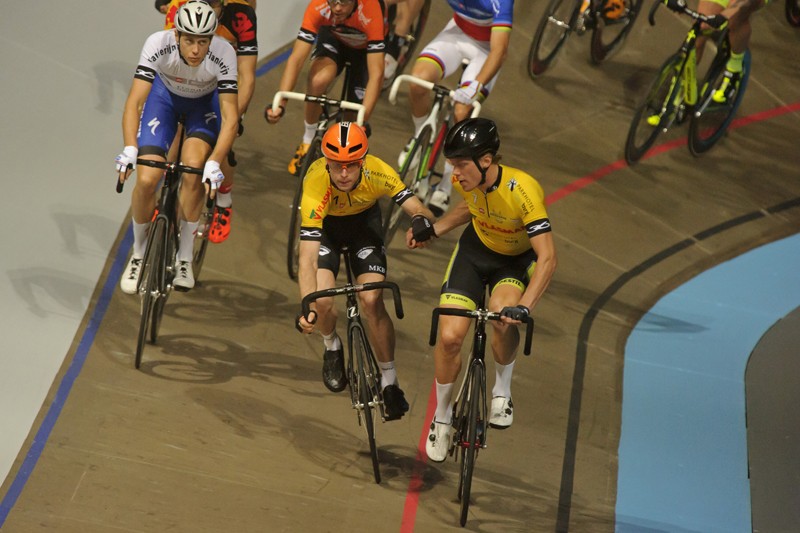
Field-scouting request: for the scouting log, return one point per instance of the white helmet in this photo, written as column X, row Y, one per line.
column 196, row 17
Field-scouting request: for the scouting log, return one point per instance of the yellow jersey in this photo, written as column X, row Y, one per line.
column 321, row 198
column 509, row 213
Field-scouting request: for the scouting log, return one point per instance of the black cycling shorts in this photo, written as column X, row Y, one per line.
column 329, row 46
column 362, row 233
column 473, row 266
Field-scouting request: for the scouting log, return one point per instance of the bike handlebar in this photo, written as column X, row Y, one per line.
column 476, row 106
column 679, row 6
column 480, row 315
column 163, row 165
column 323, row 100
column 352, row 289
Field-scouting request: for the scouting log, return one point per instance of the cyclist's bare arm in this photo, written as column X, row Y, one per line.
column 246, row 66
column 375, row 83
column 414, row 206
column 134, row 104
column 300, row 52
column 546, row 263
column 498, row 50
column 228, row 104
column 307, row 277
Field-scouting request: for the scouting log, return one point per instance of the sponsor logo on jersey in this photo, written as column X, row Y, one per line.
column 511, row 184
column 310, row 233
column 364, row 252
column 153, row 125
column 377, row 268
column 142, row 73
column 538, row 228
column 243, row 27
column 324, row 250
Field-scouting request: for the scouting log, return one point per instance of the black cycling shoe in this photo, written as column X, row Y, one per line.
column 333, row 370
column 394, row 402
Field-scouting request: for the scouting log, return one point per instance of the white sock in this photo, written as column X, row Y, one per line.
column 502, row 382
column 446, row 185
column 308, row 133
column 332, row 341
column 186, row 245
column 388, row 374
column 139, row 239
column 224, row 199
column 444, row 403
column 418, row 122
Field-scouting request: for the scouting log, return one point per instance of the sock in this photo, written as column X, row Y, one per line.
column 388, row 374
column 186, row 245
column 332, row 341
column 139, row 239
column 308, row 133
column 502, row 382
column 418, row 122
column 224, row 197
column 444, row 403
column 735, row 62
column 446, row 185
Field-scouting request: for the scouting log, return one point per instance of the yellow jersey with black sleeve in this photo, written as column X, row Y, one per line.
column 509, row 213
column 322, row 199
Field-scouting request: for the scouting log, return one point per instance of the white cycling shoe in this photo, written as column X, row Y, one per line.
column 501, row 414
column 439, row 203
column 184, row 276
column 130, row 278
column 438, row 443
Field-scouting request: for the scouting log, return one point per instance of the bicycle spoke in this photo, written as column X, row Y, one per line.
column 366, row 396
column 148, row 285
column 558, row 21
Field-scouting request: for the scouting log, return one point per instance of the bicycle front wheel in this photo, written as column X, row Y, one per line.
column 609, row 33
column 409, row 174
column 793, row 12
column 201, row 238
column 148, row 284
column 655, row 114
column 366, row 396
column 717, row 105
column 165, row 274
column 555, row 26
column 295, row 218
column 471, row 441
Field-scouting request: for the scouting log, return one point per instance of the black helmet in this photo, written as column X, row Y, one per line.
column 472, row 138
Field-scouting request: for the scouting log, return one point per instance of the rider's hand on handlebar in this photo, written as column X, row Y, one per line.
column 515, row 314
column 126, row 161
column 305, row 324
column 271, row 116
column 468, row 92
column 212, row 174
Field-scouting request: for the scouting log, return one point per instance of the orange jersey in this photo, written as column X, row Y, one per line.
column 365, row 28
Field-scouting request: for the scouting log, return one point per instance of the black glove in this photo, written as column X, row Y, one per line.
column 675, row 5
column 717, row 22
column 241, row 126
column 421, row 228
column 519, row 312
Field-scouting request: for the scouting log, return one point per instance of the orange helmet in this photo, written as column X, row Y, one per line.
column 345, row 142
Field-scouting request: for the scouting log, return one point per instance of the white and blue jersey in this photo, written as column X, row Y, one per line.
column 478, row 18
column 182, row 90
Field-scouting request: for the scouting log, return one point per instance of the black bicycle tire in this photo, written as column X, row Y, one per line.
column 792, row 11
column 599, row 51
column 365, row 396
column 469, row 448
column 394, row 213
column 537, row 65
column 697, row 144
column 295, row 219
column 147, row 285
column 670, row 70
column 164, row 280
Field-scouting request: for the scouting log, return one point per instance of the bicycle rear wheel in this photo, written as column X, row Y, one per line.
column 148, row 286
column 409, row 174
column 608, row 34
column 366, row 396
column 656, row 112
column 295, row 218
column 469, row 442
column 711, row 119
column 555, row 26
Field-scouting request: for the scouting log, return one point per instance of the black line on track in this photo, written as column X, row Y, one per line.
column 576, row 398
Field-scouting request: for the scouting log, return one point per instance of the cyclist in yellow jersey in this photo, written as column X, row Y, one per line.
column 507, row 246
column 738, row 13
column 339, row 208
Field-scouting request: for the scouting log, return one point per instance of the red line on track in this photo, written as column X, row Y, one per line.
column 416, row 483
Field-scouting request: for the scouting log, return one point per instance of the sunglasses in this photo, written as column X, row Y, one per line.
column 339, row 167
column 340, row 2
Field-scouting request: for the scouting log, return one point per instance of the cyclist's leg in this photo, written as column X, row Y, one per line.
column 708, row 7
column 438, row 60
